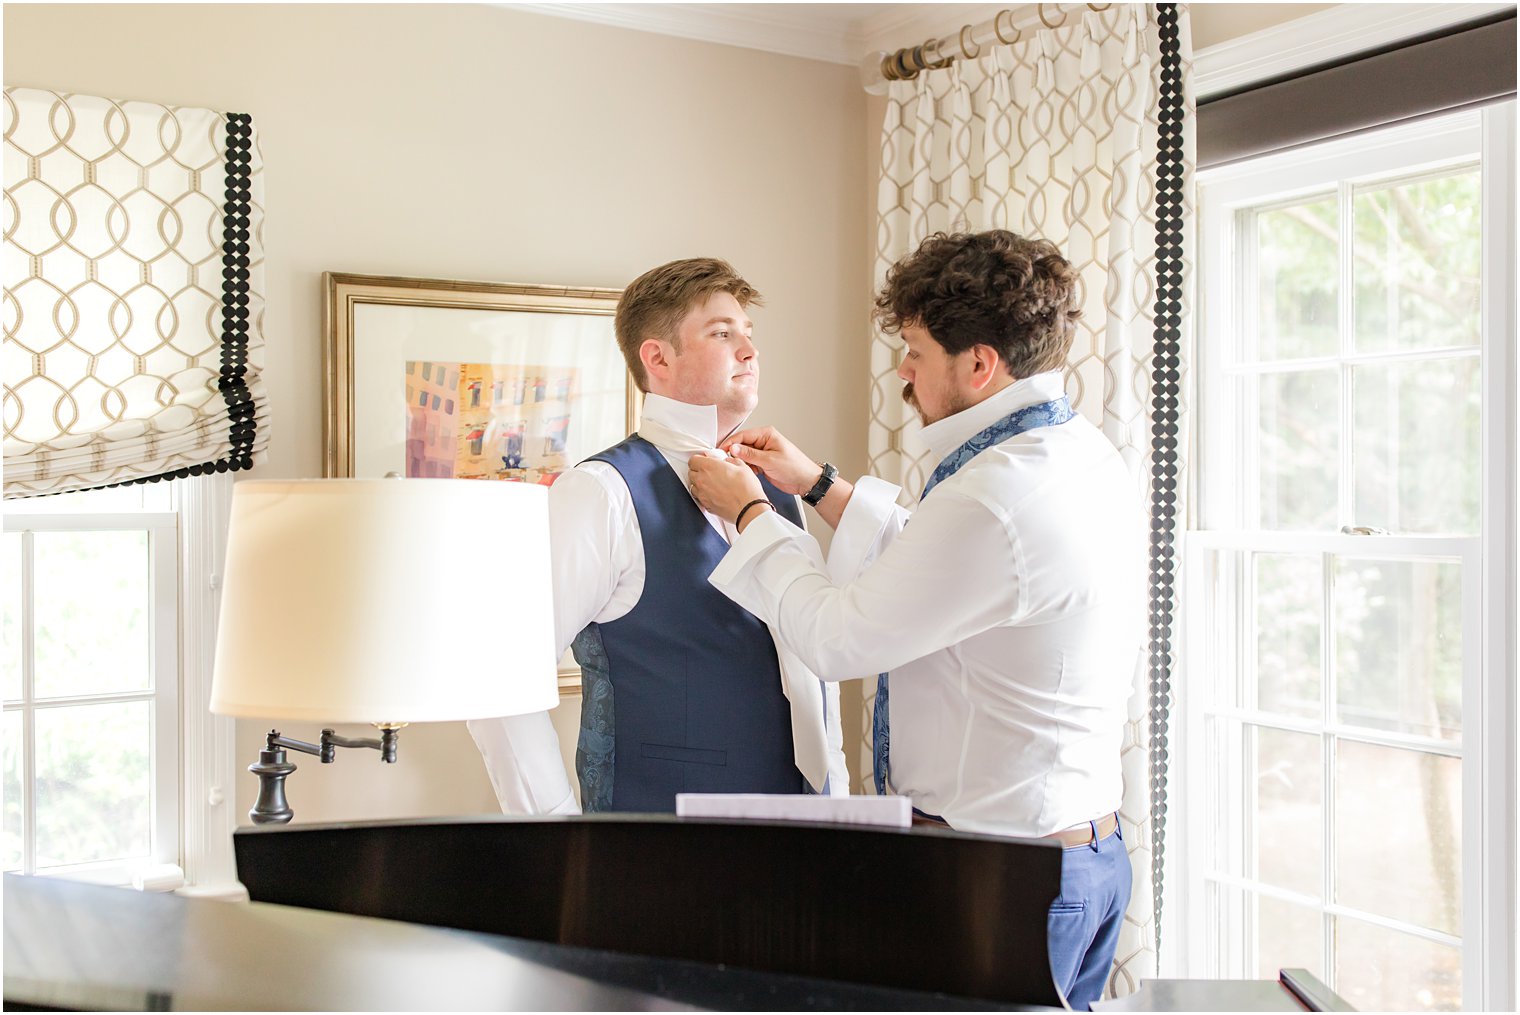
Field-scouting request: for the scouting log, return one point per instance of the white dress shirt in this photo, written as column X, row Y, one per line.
column 597, row 554
column 1010, row 615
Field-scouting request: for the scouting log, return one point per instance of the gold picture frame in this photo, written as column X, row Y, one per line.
column 536, row 378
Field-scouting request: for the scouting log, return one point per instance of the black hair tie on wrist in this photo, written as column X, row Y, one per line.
column 745, row 509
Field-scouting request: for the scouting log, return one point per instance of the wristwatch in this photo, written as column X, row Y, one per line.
column 821, row 487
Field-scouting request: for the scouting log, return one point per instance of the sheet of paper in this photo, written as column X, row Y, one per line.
column 888, row 811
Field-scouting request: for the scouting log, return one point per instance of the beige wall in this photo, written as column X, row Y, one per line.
column 473, row 142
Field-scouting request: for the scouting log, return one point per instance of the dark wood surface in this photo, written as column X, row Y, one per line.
column 924, row 909
column 76, row 946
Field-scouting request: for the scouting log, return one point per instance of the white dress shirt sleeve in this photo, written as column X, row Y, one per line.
column 522, row 759
column 589, row 555
column 592, row 534
column 871, row 519
column 952, row 574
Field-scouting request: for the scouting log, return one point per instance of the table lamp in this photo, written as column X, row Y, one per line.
column 383, row 601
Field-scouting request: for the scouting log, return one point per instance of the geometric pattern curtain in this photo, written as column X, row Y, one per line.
column 134, row 292
column 1078, row 131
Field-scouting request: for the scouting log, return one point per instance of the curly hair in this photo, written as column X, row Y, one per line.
column 654, row 304
column 996, row 288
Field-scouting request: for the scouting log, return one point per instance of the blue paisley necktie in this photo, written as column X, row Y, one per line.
column 1052, row 413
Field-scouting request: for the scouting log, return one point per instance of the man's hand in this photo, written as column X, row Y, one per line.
column 765, row 450
column 723, row 486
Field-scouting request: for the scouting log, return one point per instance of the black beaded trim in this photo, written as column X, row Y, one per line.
column 1166, row 413
column 236, row 225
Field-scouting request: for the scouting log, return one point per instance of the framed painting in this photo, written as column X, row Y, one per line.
column 427, row 378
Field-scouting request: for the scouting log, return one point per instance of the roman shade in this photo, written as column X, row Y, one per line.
column 134, row 292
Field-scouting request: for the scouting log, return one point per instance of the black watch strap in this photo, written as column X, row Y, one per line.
column 821, row 487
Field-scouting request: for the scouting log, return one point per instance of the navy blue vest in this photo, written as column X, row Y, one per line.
column 683, row 693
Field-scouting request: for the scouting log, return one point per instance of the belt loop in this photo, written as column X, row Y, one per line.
column 1094, row 826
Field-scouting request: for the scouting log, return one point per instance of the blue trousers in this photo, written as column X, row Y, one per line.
column 1084, row 921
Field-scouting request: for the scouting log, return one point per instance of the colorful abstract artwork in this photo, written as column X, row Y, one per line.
column 488, row 421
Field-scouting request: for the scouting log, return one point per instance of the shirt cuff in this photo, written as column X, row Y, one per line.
column 857, row 538
column 758, row 536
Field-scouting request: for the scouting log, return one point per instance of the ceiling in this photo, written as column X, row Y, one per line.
column 838, row 33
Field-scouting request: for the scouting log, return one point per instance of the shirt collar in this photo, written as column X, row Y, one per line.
column 951, row 432
column 699, row 423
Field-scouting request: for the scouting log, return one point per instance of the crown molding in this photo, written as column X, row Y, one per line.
column 708, row 23
column 918, row 23
column 1321, row 37
column 1303, row 42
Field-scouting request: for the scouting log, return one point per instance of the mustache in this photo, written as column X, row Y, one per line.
column 907, row 395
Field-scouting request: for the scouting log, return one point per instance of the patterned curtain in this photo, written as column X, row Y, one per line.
column 133, row 263
column 1079, row 132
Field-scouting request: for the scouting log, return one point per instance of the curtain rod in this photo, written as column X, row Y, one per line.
column 879, row 68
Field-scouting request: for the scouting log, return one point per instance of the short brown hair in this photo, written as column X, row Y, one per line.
column 996, row 288
column 654, row 303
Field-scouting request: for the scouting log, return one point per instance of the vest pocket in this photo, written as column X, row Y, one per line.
column 688, row 755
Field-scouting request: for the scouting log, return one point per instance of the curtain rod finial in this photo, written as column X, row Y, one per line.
column 871, row 77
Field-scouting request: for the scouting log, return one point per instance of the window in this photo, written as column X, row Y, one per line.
column 1348, row 807
column 113, row 769
column 91, row 682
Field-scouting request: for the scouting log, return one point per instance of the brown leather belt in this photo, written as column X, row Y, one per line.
column 1082, row 835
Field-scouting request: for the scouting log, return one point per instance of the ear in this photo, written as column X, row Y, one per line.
column 985, row 364
column 655, row 355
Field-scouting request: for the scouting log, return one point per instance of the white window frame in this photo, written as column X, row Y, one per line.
column 1489, row 705
column 191, row 849
column 1500, row 496
column 163, row 660
column 209, row 741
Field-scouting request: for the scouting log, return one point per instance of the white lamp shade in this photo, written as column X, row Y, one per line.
column 386, row 601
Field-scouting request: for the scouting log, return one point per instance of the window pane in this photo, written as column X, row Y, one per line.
column 92, row 612
column 1398, row 645
column 1297, row 283
column 1288, row 936
column 1383, row 970
column 12, row 622
column 1289, row 818
column 1299, row 456
column 15, row 803
column 94, row 782
column 1289, row 607
column 1415, row 445
column 1398, row 827
column 1416, row 263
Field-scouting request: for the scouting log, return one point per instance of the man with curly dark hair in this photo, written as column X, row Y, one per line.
column 1006, row 622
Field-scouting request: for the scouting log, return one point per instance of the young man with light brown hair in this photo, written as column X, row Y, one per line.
column 682, row 690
